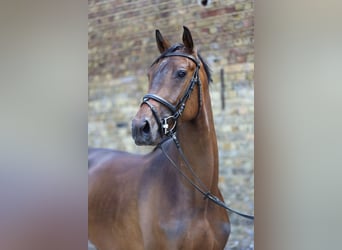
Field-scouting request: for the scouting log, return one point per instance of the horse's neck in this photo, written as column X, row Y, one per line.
column 199, row 144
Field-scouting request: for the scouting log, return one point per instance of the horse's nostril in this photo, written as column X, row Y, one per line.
column 146, row 128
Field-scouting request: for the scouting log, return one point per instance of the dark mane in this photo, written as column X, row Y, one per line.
column 179, row 46
column 207, row 69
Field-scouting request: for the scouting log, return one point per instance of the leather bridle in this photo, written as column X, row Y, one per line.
column 177, row 109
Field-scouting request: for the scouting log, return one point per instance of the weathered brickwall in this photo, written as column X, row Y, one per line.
column 121, row 33
column 121, row 49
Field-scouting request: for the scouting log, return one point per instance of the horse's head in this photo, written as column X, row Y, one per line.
column 174, row 91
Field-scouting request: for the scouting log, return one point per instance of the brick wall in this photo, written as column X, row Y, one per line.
column 121, row 49
column 121, row 33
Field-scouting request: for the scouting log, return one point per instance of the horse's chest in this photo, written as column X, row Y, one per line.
column 168, row 220
column 186, row 233
column 176, row 232
column 161, row 231
column 174, row 229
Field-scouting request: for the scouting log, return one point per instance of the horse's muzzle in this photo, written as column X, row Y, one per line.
column 142, row 132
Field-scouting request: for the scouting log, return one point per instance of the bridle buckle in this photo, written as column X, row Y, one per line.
column 165, row 124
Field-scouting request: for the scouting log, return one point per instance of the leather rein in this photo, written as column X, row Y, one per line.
column 164, row 129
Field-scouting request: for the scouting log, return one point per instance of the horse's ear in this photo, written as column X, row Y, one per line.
column 187, row 39
column 162, row 43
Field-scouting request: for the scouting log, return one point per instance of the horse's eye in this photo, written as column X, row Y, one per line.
column 181, row 73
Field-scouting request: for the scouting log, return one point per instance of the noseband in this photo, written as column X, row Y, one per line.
column 177, row 109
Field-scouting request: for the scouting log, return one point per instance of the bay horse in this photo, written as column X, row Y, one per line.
column 152, row 201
